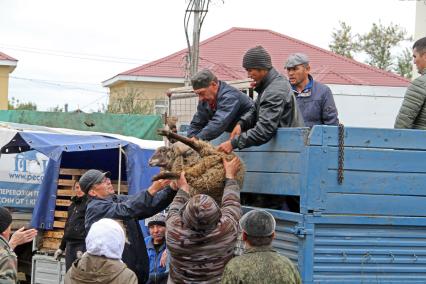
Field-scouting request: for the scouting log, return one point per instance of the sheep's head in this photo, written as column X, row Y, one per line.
column 162, row 157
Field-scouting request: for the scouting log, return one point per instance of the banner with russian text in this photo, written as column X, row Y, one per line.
column 20, row 178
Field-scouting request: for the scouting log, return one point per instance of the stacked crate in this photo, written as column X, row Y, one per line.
column 67, row 177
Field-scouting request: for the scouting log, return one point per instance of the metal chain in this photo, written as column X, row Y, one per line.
column 341, row 158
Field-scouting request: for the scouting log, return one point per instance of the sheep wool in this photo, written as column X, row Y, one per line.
column 203, row 170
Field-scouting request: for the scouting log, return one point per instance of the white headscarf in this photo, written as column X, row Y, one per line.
column 106, row 238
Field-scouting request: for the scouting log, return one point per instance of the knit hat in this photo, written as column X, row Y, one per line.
column 258, row 223
column 157, row 219
column 201, row 213
column 5, row 219
column 257, row 58
column 90, row 178
column 202, row 79
column 296, row 59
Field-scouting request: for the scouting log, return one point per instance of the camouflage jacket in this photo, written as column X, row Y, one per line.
column 8, row 263
column 196, row 257
column 261, row 265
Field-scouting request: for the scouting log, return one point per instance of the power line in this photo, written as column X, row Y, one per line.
column 76, row 55
column 94, row 101
column 56, row 84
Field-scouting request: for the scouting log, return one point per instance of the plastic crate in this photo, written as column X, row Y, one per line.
column 47, row 270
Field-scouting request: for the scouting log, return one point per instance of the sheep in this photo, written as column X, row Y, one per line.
column 203, row 169
column 174, row 157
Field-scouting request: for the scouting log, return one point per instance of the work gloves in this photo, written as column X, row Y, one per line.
column 57, row 254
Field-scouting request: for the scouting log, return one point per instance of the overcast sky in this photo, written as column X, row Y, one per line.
column 67, row 48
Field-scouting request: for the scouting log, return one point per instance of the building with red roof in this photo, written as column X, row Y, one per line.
column 7, row 65
column 223, row 53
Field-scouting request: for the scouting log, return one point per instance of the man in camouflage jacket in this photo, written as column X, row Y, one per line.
column 412, row 114
column 260, row 263
column 201, row 235
column 8, row 260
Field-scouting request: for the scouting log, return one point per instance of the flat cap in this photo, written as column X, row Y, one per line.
column 258, row 223
column 202, row 79
column 296, row 59
column 90, row 178
column 257, row 58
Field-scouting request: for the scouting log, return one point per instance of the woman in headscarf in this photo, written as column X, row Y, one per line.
column 101, row 263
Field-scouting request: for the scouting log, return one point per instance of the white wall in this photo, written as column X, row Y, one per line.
column 368, row 106
column 361, row 106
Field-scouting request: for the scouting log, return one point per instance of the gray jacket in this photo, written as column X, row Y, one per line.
column 412, row 114
column 275, row 107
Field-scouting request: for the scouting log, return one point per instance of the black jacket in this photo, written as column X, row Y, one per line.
column 74, row 230
column 275, row 107
column 231, row 104
column 130, row 209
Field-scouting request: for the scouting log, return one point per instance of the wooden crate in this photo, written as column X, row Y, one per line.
column 52, row 239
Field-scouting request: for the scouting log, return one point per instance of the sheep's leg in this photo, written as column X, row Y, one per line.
column 185, row 140
column 165, row 175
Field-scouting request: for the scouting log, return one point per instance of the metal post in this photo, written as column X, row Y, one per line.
column 119, row 169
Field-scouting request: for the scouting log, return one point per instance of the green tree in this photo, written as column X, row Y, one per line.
column 344, row 43
column 15, row 104
column 378, row 43
column 131, row 103
column 404, row 64
column 56, row 109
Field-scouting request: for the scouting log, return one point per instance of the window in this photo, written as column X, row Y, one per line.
column 160, row 106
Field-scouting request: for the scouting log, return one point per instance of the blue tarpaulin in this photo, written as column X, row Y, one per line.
column 82, row 152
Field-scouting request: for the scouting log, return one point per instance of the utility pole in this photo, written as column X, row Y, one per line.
column 195, row 38
column 198, row 10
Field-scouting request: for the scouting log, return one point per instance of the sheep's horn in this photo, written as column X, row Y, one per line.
column 185, row 140
column 165, row 175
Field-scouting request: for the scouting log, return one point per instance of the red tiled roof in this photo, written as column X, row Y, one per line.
column 4, row 56
column 223, row 54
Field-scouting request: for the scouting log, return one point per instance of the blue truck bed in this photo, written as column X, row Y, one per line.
column 369, row 229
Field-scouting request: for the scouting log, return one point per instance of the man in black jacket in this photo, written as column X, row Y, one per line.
column 275, row 105
column 104, row 203
column 220, row 106
column 74, row 231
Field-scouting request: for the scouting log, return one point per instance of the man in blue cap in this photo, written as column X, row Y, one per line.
column 104, row 203
column 314, row 99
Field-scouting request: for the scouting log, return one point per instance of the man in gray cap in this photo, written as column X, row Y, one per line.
column 275, row 105
column 219, row 106
column 314, row 99
column 156, row 248
column 260, row 263
column 104, row 203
